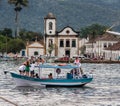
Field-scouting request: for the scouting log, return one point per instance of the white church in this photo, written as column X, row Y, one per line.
column 66, row 42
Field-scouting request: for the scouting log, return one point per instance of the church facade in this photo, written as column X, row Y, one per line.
column 65, row 42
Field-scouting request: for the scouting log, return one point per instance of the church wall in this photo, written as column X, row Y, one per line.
column 32, row 50
column 73, row 50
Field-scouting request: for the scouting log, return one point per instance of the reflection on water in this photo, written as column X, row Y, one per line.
column 103, row 91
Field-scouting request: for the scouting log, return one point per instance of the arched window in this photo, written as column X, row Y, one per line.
column 50, row 25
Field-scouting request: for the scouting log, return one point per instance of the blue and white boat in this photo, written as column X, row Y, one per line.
column 67, row 79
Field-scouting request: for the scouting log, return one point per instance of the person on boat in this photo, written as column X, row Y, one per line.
column 27, row 68
column 32, row 68
column 50, row 76
column 22, row 69
column 77, row 61
column 40, row 60
column 36, row 75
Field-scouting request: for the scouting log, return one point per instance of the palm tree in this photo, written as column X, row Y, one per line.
column 18, row 7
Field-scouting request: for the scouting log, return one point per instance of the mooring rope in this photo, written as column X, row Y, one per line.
column 8, row 101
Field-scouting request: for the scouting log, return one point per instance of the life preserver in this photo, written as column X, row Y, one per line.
column 58, row 70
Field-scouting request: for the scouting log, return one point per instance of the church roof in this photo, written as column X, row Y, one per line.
column 50, row 16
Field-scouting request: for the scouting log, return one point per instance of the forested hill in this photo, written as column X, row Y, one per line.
column 75, row 13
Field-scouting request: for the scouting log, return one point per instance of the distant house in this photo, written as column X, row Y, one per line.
column 113, row 52
column 101, row 47
column 34, row 49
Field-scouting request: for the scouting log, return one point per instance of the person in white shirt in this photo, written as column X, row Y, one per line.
column 78, row 63
column 22, row 69
column 32, row 69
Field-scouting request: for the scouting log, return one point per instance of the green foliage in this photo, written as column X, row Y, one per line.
column 6, row 32
column 83, row 49
column 15, row 45
column 18, row 2
column 31, row 36
column 51, row 48
column 2, row 47
column 18, row 6
column 93, row 31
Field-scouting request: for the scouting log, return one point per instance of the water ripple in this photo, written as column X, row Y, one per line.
column 103, row 91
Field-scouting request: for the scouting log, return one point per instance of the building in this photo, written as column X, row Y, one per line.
column 34, row 49
column 102, row 47
column 66, row 41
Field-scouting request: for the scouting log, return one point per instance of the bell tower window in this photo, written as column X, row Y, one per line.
column 50, row 25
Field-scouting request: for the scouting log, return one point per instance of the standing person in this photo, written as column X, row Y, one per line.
column 32, row 69
column 78, row 63
column 27, row 68
column 22, row 69
column 40, row 60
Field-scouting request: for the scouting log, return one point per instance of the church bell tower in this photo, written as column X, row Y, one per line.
column 50, row 24
column 49, row 32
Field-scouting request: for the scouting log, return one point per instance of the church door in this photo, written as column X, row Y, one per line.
column 67, row 53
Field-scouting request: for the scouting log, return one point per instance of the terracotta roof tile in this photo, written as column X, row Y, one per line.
column 115, row 46
column 107, row 37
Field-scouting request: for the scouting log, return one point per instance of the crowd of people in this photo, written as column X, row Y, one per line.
column 28, row 67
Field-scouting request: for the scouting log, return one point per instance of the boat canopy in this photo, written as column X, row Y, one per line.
column 68, row 66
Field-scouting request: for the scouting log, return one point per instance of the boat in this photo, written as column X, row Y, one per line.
column 67, row 80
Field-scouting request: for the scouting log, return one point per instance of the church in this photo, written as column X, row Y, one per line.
column 64, row 42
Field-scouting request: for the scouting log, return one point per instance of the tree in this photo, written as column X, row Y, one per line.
column 6, row 32
column 15, row 45
column 18, row 7
column 93, row 31
column 51, row 48
column 30, row 35
column 2, row 48
column 83, row 49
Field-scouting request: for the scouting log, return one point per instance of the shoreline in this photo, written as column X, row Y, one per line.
column 90, row 61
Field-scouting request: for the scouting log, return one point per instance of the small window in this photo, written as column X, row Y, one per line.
column 61, row 43
column 105, row 45
column 73, row 43
column 50, row 42
column 36, row 53
column 50, row 25
column 67, row 43
column 109, row 44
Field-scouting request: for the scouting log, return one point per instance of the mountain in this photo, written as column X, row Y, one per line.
column 75, row 13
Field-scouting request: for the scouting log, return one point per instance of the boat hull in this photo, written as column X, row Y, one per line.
column 29, row 81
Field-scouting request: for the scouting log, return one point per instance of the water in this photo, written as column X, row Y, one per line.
column 104, row 90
